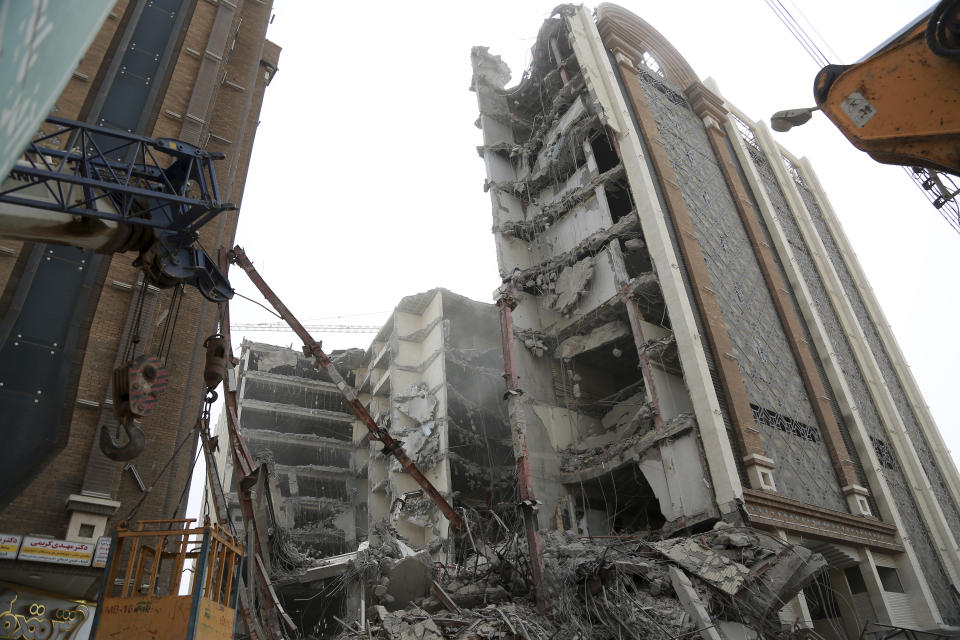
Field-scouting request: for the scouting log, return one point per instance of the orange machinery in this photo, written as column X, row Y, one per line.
column 901, row 103
column 145, row 595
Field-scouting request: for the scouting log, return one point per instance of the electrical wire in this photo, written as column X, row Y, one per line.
column 836, row 56
column 190, row 434
column 186, row 485
column 259, row 304
column 798, row 33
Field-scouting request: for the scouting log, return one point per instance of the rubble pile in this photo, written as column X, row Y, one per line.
column 729, row 582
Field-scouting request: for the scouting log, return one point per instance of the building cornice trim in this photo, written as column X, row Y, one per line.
column 765, row 509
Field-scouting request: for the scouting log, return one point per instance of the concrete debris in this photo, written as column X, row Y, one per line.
column 556, row 209
column 693, row 604
column 418, row 403
column 346, row 360
column 399, row 626
column 488, row 68
column 561, row 102
column 645, row 288
column 549, row 213
column 707, row 564
column 628, row 416
column 422, row 441
column 631, row 586
column 578, row 463
column 512, row 150
column 535, row 341
column 559, row 153
column 604, row 334
column 572, row 283
column 419, row 510
column 663, row 351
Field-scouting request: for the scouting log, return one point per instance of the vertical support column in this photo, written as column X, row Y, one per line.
column 518, row 429
column 874, row 587
column 759, row 466
column 199, row 583
column 710, row 108
column 848, row 614
column 633, row 311
column 797, row 609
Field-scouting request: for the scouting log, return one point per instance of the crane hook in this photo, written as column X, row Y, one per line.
column 136, row 441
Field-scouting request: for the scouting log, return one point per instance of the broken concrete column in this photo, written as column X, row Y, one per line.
column 693, row 605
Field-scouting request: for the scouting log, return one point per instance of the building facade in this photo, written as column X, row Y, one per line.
column 434, row 376
column 294, row 418
column 192, row 70
column 693, row 335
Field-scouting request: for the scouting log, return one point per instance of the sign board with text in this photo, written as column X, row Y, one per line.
column 102, row 552
column 56, row 551
column 9, row 546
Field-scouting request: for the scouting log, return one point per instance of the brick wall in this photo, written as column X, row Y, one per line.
column 233, row 117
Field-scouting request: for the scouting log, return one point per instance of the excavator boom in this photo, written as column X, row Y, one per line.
column 901, row 104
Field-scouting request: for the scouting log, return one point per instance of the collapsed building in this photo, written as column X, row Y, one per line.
column 434, row 376
column 294, row 419
column 694, row 338
column 708, row 427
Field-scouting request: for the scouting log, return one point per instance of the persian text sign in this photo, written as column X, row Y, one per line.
column 38, row 621
column 9, row 546
column 56, row 551
column 102, row 552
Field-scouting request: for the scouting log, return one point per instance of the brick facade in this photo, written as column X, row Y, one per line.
column 245, row 66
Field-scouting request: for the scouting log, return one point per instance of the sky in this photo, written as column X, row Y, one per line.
column 365, row 185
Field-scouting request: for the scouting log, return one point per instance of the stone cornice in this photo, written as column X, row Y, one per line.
column 706, row 103
column 766, row 509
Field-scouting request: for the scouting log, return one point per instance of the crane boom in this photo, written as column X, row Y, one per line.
column 112, row 191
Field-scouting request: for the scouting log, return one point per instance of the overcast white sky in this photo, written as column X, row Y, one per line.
column 365, row 185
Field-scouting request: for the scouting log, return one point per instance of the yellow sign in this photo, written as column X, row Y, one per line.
column 56, row 551
column 9, row 546
column 163, row 617
column 37, row 624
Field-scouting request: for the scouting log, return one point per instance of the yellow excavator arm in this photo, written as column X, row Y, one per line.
column 901, row 103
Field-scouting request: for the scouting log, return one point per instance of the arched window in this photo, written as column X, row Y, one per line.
column 651, row 63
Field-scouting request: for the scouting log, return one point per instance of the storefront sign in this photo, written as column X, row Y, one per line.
column 9, row 546
column 42, row 618
column 102, row 553
column 56, row 551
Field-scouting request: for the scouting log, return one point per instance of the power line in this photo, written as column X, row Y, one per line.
column 798, row 32
column 823, row 40
column 329, row 328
